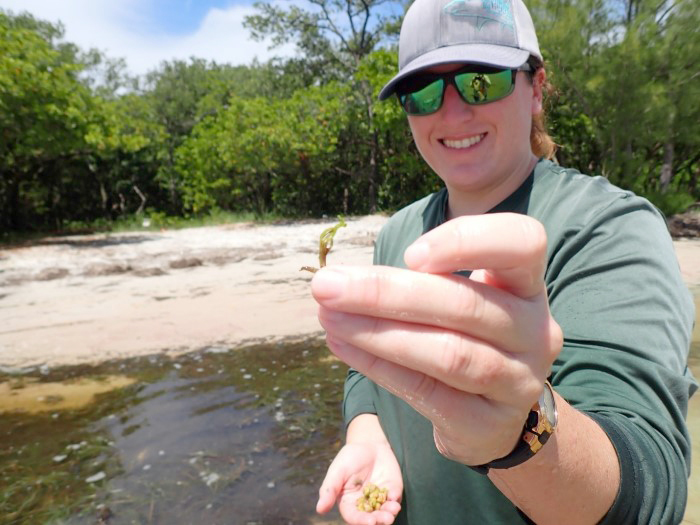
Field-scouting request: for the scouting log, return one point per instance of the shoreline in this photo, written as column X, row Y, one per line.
column 87, row 299
column 94, row 298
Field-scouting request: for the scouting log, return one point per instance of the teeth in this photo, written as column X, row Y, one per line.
column 464, row 143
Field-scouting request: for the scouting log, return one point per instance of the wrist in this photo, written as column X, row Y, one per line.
column 365, row 428
column 539, row 426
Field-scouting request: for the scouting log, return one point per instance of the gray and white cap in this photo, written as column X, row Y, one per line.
column 497, row 33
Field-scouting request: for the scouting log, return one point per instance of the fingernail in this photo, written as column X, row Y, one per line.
column 416, row 255
column 328, row 283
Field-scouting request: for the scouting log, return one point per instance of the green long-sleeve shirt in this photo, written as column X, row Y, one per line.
column 615, row 289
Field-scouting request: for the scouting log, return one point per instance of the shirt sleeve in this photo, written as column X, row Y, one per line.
column 358, row 396
column 616, row 290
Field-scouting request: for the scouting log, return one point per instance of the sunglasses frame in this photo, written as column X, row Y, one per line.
column 426, row 79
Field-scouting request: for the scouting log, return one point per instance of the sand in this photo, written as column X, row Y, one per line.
column 85, row 299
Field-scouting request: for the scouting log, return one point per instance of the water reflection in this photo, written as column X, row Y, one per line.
column 220, row 437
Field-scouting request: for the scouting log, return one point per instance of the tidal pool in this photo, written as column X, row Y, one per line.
column 217, row 437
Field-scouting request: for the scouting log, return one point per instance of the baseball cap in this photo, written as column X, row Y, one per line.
column 497, row 33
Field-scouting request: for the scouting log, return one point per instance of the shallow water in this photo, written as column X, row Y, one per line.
column 217, row 437
column 212, row 437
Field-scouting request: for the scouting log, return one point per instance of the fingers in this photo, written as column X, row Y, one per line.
column 431, row 398
column 452, row 358
column 451, row 302
column 344, row 480
column 327, row 496
column 384, row 516
column 335, row 481
column 461, row 419
column 510, row 247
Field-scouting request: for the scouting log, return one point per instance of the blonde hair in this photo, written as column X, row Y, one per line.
column 541, row 142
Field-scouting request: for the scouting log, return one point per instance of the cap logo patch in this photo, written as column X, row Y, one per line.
column 482, row 12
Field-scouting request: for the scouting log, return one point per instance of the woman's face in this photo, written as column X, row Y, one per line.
column 482, row 152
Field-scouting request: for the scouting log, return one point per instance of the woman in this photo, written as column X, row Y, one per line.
column 518, row 352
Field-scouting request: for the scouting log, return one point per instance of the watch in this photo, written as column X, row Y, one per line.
column 539, row 426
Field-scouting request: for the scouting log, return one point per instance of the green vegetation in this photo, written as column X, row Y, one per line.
column 51, row 461
column 372, row 498
column 305, row 137
column 325, row 244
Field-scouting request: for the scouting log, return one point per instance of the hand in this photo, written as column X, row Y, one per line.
column 471, row 355
column 356, row 465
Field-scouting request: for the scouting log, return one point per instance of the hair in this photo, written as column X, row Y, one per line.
column 541, row 142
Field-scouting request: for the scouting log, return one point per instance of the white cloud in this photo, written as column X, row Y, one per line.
column 122, row 30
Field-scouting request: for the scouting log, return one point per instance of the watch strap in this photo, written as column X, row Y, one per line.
column 523, row 449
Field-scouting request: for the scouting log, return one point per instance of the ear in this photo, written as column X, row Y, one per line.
column 538, row 82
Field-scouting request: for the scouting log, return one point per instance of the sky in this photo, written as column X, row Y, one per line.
column 146, row 32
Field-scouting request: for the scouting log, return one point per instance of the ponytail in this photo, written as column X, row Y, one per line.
column 541, row 143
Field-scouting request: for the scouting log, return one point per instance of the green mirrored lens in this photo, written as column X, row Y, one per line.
column 481, row 88
column 424, row 101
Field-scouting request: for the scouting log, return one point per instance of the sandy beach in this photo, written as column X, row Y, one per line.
column 84, row 299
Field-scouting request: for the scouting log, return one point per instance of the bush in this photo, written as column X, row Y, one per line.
column 671, row 203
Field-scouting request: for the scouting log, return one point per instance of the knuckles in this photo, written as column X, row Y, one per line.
column 556, row 339
column 534, row 236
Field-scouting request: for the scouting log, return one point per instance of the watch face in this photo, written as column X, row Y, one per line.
column 549, row 408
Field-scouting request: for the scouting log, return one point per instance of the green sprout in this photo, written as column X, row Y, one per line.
column 325, row 244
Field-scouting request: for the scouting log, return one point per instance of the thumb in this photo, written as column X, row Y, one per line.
column 327, row 497
column 509, row 249
column 331, row 487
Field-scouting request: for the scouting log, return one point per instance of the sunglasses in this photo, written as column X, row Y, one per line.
column 422, row 94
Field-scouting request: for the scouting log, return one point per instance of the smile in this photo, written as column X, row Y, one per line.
column 464, row 143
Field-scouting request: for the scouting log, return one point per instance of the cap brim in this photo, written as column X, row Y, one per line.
column 487, row 54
